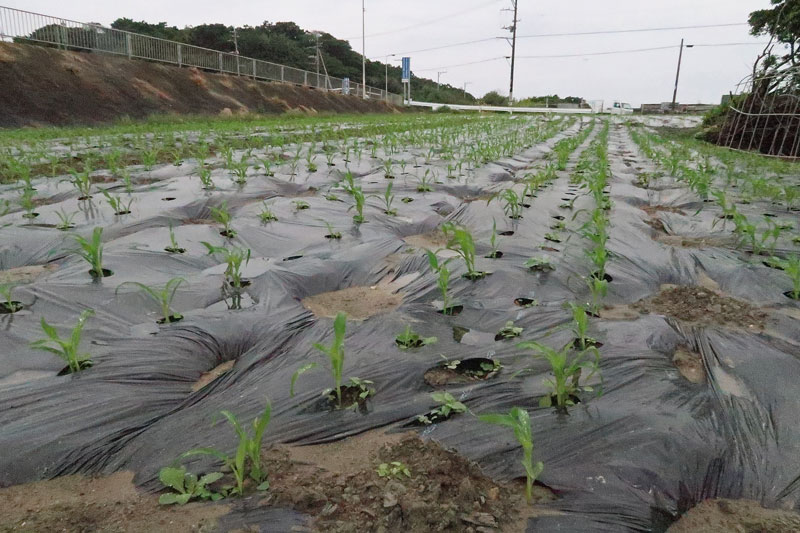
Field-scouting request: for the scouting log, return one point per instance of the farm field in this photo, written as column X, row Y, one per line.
column 410, row 322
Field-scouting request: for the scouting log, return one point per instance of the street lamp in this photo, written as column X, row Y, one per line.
column 678, row 74
column 438, row 75
column 386, row 63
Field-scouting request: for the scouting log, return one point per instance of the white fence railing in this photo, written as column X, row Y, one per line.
column 16, row 24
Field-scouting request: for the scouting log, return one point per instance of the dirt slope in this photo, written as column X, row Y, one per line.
column 45, row 86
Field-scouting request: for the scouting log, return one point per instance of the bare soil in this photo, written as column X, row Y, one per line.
column 24, row 274
column 690, row 365
column 338, row 485
column 358, row 302
column 97, row 88
column 694, row 242
column 212, row 374
column 653, row 209
column 108, row 504
column 736, row 516
column 430, row 241
column 700, row 305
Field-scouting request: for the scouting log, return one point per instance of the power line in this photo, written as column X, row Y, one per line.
column 635, row 30
column 635, row 50
column 568, row 34
column 609, row 52
column 429, row 22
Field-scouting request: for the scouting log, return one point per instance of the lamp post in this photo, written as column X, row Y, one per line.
column 678, row 74
column 438, row 76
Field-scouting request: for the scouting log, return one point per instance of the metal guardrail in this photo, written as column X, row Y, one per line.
column 16, row 24
column 503, row 109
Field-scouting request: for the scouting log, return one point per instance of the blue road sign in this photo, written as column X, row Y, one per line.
column 406, row 69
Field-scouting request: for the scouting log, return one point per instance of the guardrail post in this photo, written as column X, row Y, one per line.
column 128, row 45
column 220, row 61
column 282, row 78
column 180, row 56
column 254, row 69
column 305, row 77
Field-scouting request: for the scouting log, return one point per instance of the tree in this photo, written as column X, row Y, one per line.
column 494, row 98
column 782, row 23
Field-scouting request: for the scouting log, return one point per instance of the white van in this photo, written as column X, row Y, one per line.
column 620, row 108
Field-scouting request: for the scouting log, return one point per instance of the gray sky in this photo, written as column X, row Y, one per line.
column 399, row 26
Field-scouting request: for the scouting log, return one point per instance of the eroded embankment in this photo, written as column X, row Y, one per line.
column 45, row 86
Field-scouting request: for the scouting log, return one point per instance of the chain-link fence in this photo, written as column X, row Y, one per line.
column 19, row 25
column 764, row 115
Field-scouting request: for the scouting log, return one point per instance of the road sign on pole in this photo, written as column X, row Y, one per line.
column 406, row 70
column 345, row 85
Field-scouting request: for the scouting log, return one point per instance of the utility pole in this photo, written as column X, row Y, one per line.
column 677, row 77
column 465, row 88
column 513, row 30
column 363, row 49
column 316, row 56
column 438, row 76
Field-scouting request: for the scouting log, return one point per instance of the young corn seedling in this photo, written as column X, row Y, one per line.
column 443, row 279
column 239, row 169
column 246, row 462
column 358, row 197
column 332, row 233
column 311, row 164
column 65, row 220
column 425, row 182
column 186, row 486
column 459, row 240
column 9, row 305
column 512, row 204
column 82, row 183
column 300, row 205
column 580, row 328
column 495, row 253
column 567, row 367
column 162, row 296
column 387, row 169
column 599, row 288
column 519, row 420
column 387, row 199
column 266, row 164
column 204, row 173
column 117, row 204
column 222, row 216
column 27, row 203
column 174, row 247
column 409, row 339
column 267, row 215
column 234, row 258
column 92, row 252
column 791, row 266
column 448, row 406
column 335, row 353
column 68, row 348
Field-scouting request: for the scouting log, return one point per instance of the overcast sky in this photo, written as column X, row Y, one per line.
column 407, row 26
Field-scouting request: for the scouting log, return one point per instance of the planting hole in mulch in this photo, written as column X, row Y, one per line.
column 475, row 276
column 525, row 302
column 353, row 397
column 508, row 233
column 558, row 217
column 458, row 372
column 7, row 308
column 110, row 504
column 606, row 276
column 213, row 374
column 494, row 255
column 716, row 516
column 292, row 257
column 588, row 342
column 174, row 250
column 83, row 365
column 106, row 273
column 172, row 319
column 30, row 215
column 453, row 310
column 549, row 248
column 168, row 199
column 689, row 364
column 358, row 302
column 702, row 306
column 228, row 234
column 338, row 485
column 791, row 294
